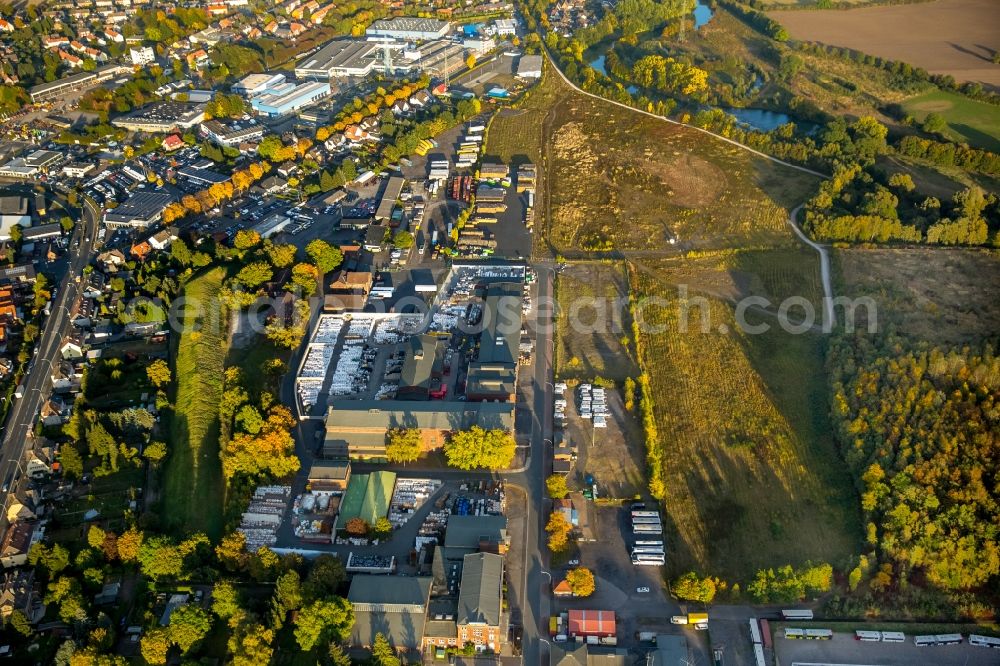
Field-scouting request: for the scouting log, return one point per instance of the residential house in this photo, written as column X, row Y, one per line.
column 18, row 541
column 171, row 142
column 17, row 592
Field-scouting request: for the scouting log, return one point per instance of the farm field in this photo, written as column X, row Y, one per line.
column 941, row 296
column 955, row 37
column 596, row 296
column 193, row 486
column 969, row 121
column 628, row 182
column 751, row 474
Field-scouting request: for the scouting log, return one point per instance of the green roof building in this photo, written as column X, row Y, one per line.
column 367, row 497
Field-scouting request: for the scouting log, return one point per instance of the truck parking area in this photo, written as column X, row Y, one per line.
column 844, row 650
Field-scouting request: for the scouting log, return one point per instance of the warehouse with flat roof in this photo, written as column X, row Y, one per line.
column 397, row 611
column 140, row 210
column 273, row 105
column 340, row 58
column 162, row 117
column 409, row 28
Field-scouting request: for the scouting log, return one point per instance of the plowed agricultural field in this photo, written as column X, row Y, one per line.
column 956, row 37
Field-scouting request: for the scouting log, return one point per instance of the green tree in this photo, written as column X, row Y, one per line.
column 304, row 278
column 692, row 587
column 382, row 528
column 96, row 536
column 403, row 240
column 325, row 577
column 255, row 274
column 337, row 655
column 249, row 419
column 323, row 620
column 155, row 645
column 478, row 448
column 382, row 652
column 246, row 239
column 226, row 601
column 403, row 445
column 324, row 256
column 160, row 558
column 155, row 452
column 72, row 462
column 18, row 621
column 288, row 592
column 280, row 255
column 556, row 485
column 66, row 223
column 188, row 625
column 934, row 123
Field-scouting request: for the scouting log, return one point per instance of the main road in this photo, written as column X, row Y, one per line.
column 36, row 383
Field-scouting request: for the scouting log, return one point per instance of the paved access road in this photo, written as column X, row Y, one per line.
column 17, row 438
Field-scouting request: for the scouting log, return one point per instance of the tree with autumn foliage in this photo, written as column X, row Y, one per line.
column 581, row 581
column 270, row 452
column 559, row 530
column 357, row 527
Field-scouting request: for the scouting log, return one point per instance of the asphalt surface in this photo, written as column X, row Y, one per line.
column 18, row 438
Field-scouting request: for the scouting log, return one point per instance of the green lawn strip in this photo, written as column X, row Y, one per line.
column 193, row 486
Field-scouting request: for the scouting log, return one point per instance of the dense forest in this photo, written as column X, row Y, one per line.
column 862, row 205
column 920, row 432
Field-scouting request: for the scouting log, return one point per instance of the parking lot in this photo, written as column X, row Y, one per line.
column 843, row 649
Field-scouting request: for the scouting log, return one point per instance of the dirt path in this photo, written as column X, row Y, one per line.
column 824, row 267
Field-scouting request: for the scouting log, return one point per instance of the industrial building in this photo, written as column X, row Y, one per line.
column 440, row 57
column 162, row 117
column 231, row 135
column 396, row 610
column 493, row 375
column 140, row 210
column 31, row 164
column 389, row 196
column 348, row 291
column 341, row 58
column 13, row 211
column 409, row 29
column 422, row 368
column 360, row 426
column 256, row 84
column 290, row 100
column 480, row 602
column 367, row 497
column 529, row 67
column 54, row 89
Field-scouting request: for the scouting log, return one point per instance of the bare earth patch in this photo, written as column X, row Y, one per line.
column 944, row 296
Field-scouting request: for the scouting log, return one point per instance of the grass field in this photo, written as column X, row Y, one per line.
column 752, row 475
column 629, row 182
column 193, row 486
column 592, row 326
column 969, row 121
column 936, row 295
column 956, row 37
